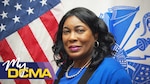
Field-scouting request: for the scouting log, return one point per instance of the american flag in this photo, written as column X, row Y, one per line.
column 27, row 29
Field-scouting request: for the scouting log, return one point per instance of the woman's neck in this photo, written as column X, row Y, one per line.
column 80, row 63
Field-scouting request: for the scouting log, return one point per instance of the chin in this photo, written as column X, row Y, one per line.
column 74, row 56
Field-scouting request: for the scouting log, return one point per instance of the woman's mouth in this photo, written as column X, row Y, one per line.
column 74, row 48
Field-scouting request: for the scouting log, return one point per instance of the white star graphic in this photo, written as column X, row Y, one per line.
column 2, row 27
column 16, row 19
column 43, row 2
column 4, row 15
column 5, row 2
column 18, row 6
column 32, row 0
column 30, row 11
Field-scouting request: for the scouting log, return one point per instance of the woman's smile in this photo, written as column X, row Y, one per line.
column 74, row 48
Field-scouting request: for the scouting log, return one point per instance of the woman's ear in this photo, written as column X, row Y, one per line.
column 96, row 36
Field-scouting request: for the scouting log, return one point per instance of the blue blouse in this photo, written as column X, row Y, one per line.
column 108, row 72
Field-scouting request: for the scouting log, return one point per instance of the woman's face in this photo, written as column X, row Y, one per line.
column 77, row 37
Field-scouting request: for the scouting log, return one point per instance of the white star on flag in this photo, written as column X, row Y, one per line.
column 5, row 2
column 32, row 0
column 16, row 19
column 2, row 27
column 18, row 6
column 30, row 11
column 43, row 2
column 4, row 15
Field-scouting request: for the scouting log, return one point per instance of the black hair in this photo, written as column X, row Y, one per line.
column 97, row 25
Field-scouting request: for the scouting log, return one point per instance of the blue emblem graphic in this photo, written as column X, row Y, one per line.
column 120, row 22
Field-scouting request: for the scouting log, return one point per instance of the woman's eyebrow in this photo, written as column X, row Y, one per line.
column 74, row 27
column 78, row 26
column 66, row 27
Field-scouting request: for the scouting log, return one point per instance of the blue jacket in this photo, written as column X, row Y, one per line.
column 108, row 72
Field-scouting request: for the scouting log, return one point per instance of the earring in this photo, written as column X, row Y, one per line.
column 96, row 44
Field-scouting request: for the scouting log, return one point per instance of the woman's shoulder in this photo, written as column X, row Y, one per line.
column 110, row 69
column 110, row 63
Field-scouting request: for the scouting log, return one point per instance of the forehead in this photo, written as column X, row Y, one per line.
column 73, row 21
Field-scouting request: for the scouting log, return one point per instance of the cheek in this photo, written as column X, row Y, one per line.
column 64, row 39
column 89, row 43
column 88, row 40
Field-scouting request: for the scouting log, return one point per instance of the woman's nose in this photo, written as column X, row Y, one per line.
column 73, row 36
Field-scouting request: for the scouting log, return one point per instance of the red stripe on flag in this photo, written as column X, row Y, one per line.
column 5, row 51
column 32, row 45
column 7, row 54
column 23, row 81
column 50, row 23
column 49, row 81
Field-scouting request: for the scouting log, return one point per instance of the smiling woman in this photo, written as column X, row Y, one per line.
column 77, row 40
column 83, row 50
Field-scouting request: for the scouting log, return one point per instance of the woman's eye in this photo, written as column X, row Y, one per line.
column 80, row 30
column 66, row 31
